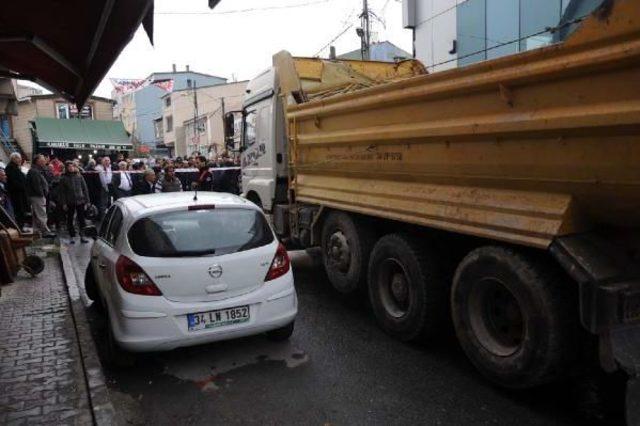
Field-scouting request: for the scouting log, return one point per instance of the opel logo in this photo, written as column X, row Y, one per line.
column 215, row 271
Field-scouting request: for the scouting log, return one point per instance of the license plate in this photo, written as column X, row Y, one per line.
column 219, row 318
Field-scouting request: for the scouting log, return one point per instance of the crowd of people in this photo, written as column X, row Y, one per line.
column 53, row 193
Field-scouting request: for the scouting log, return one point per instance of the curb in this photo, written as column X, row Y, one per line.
column 99, row 399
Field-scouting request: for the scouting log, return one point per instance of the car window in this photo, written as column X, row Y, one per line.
column 115, row 226
column 190, row 233
column 102, row 233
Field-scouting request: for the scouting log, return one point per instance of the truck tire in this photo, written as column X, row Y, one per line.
column 513, row 317
column 408, row 295
column 346, row 246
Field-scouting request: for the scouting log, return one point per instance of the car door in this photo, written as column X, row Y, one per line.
column 109, row 254
column 98, row 247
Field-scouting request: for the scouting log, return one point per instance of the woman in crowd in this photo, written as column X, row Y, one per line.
column 74, row 195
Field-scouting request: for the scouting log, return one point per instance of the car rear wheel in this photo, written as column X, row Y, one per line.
column 115, row 356
column 91, row 287
column 512, row 317
column 407, row 293
column 281, row 334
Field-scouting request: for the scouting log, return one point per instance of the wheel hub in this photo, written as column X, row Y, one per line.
column 399, row 287
column 393, row 288
column 496, row 317
column 339, row 251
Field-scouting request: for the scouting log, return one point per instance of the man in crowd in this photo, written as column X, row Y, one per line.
column 122, row 183
column 16, row 186
column 37, row 190
column 106, row 177
column 168, row 182
column 205, row 178
column 5, row 200
column 147, row 185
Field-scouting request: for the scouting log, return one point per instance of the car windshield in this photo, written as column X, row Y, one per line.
column 210, row 232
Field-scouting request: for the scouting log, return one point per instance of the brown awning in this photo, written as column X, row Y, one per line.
column 68, row 46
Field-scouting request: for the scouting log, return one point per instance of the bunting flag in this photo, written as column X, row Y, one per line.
column 166, row 85
column 124, row 85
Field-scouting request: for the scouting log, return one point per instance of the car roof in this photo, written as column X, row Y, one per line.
column 154, row 203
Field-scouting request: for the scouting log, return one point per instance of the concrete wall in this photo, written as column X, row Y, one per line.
column 209, row 110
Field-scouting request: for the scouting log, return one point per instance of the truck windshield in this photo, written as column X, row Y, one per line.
column 212, row 232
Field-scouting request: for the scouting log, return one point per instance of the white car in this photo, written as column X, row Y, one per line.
column 169, row 271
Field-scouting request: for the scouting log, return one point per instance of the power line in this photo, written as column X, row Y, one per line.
column 248, row 10
column 347, row 28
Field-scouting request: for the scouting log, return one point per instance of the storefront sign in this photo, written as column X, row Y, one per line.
column 87, row 146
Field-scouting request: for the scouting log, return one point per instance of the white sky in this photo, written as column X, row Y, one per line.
column 242, row 43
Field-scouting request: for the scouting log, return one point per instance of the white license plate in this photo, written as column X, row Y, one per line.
column 219, row 318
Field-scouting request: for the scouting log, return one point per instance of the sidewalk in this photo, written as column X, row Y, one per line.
column 42, row 378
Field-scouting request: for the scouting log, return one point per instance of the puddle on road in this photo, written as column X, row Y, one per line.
column 205, row 366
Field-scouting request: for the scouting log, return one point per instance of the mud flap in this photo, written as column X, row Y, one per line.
column 633, row 401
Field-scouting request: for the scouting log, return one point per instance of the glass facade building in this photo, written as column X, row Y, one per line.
column 477, row 30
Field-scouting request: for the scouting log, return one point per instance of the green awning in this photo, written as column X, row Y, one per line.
column 81, row 134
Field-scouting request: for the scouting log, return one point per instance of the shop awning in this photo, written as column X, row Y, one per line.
column 68, row 46
column 81, row 134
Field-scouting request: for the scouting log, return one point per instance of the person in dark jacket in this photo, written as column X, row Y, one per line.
column 147, row 185
column 16, row 187
column 122, row 182
column 5, row 200
column 205, row 178
column 74, row 195
column 168, row 182
column 37, row 191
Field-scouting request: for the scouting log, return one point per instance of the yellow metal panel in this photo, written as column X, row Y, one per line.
column 520, row 149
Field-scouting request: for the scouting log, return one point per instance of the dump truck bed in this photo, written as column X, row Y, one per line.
column 522, row 149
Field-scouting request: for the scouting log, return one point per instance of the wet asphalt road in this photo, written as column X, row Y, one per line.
column 338, row 368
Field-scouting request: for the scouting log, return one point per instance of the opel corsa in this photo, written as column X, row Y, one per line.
column 172, row 270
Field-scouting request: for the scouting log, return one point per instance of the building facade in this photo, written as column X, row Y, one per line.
column 187, row 126
column 450, row 33
column 141, row 108
column 52, row 106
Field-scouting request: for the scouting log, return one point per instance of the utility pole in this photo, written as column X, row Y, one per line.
column 365, row 40
column 196, row 134
column 222, row 113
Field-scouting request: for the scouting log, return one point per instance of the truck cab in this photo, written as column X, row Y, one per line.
column 263, row 142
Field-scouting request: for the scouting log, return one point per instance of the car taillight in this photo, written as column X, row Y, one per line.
column 133, row 279
column 280, row 264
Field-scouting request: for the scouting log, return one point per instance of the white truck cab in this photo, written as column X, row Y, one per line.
column 263, row 142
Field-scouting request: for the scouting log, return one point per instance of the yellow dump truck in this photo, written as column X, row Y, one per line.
column 502, row 196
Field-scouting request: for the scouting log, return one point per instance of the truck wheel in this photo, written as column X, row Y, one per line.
column 513, row 317
column 407, row 294
column 346, row 246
